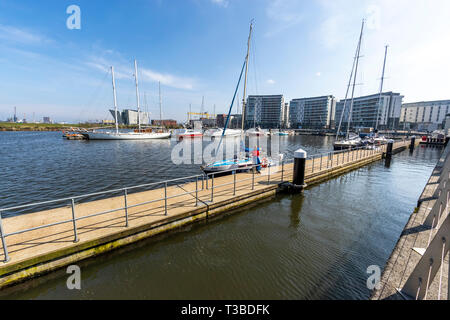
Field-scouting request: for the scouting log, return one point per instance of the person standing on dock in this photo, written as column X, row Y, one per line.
column 255, row 154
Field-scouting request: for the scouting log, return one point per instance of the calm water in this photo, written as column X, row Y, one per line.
column 312, row 246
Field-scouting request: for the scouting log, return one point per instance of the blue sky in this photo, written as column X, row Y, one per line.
column 196, row 48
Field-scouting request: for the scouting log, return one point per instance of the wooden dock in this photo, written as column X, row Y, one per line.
column 42, row 250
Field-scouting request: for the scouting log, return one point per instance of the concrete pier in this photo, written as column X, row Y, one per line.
column 43, row 250
column 408, row 273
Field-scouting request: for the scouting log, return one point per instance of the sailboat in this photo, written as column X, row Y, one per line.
column 241, row 162
column 351, row 140
column 218, row 132
column 378, row 139
column 138, row 134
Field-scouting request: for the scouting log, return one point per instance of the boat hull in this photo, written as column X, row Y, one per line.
column 221, row 166
column 127, row 136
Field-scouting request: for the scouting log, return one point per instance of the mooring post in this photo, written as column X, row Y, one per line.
column 413, row 143
column 299, row 169
column 390, row 146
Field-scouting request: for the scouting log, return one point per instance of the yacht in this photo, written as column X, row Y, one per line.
column 218, row 132
column 138, row 134
column 258, row 132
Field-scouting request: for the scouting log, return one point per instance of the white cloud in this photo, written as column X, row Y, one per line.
column 121, row 71
column 17, row 35
column 318, row 74
column 222, row 3
column 270, row 81
column 417, row 62
column 283, row 14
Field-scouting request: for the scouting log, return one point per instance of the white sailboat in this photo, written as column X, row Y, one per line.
column 218, row 132
column 351, row 140
column 138, row 134
column 378, row 139
column 256, row 132
column 241, row 162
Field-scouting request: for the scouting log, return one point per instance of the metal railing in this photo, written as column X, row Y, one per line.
column 432, row 257
column 203, row 178
column 329, row 160
column 361, row 153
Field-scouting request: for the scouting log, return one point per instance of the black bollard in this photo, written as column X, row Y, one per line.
column 389, row 149
column 413, row 143
column 299, row 169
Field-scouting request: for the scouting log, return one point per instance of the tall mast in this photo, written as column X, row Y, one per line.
column 160, row 105
column 346, row 93
column 354, row 80
column 137, row 96
column 246, row 72
column 115, row 99
column 381, row 87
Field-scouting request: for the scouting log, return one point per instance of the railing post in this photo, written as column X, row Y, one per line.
column 321, row 156
column 74, row 222
column 253, row 178
column 165, row 198
column 282, row 170
column 212, row 188
column 203, row 181
column 312, row 170
column 268, row 172
column 234, row 182
column 126, row 207
column 2, row 234
column 196, row 190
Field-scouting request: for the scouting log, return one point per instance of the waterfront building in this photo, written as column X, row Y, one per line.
column 265, row 111
column 164, row 123
column 366, row 109
column 312, row 113
column 235, row 121
column 46, row 120
column 130, row 117
column 424, row 115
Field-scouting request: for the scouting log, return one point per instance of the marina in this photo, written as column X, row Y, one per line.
column 39, row 242
column 204, row 260
column 212, row 151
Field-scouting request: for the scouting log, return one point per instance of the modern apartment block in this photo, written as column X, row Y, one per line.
column 266, row 111
column 424, row 115
column 366, row 109
column 312, row 113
